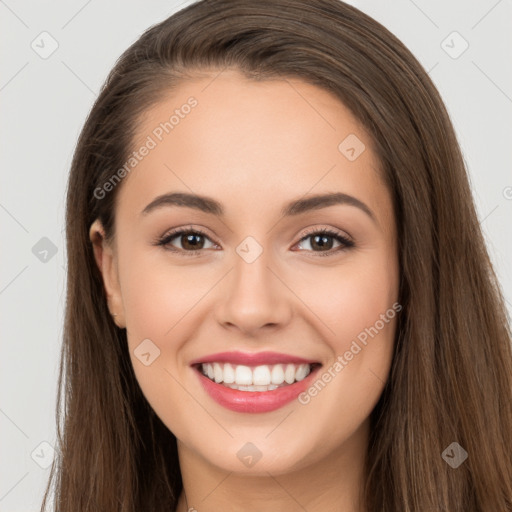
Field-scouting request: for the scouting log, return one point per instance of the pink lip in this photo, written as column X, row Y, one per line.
column 254, row 401
column 251, row 359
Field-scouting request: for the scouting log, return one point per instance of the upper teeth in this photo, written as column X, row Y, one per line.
column 263, row 375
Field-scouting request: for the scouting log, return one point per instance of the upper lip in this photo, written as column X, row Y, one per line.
column 252, row 358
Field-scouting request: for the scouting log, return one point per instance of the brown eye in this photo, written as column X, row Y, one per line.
column 322, row 242
column 188, row 241
column 192, row 241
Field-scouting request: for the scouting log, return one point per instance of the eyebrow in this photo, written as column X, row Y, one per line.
column 297, row 207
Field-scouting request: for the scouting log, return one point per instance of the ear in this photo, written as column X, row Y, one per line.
column 106, row 259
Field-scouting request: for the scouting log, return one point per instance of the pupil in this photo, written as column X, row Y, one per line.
column 189, row 241
column 322, row 242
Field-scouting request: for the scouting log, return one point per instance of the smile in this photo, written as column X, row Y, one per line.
column 254, row 382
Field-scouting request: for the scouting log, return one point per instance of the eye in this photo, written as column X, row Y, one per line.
column 322, row 239
column 191, row 241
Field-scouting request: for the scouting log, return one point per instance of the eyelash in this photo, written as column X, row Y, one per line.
column 166, row 240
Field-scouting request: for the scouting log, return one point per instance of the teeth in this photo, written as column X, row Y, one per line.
column 302, row 372
column 271, row 387
column 260, row 378
column 229, row 374
column 243, row 375
column 289, row 373
column 277, row 374
column 217, row 372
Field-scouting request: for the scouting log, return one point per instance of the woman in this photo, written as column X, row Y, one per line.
column 279, row 297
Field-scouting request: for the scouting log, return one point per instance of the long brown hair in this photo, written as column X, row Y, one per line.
column 451, row 376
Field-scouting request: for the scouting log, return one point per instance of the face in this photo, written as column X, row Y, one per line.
column 264, row 280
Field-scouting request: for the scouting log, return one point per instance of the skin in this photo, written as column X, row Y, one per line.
column 254, row 146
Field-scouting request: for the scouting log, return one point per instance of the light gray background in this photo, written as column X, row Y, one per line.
column 45, row 102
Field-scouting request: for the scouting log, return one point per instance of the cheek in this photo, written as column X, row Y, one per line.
column 158, row 295
column 351, row 297
column 360, row 305
column 161, row 301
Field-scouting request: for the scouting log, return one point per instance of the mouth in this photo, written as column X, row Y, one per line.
column 260, row 378
column 254, row 383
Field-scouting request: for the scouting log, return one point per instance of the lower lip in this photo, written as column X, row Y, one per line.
column 254, row 401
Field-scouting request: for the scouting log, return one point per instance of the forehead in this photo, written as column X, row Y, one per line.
column 250, row 144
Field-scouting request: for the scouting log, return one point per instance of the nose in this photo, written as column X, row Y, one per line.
column 253, row 297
